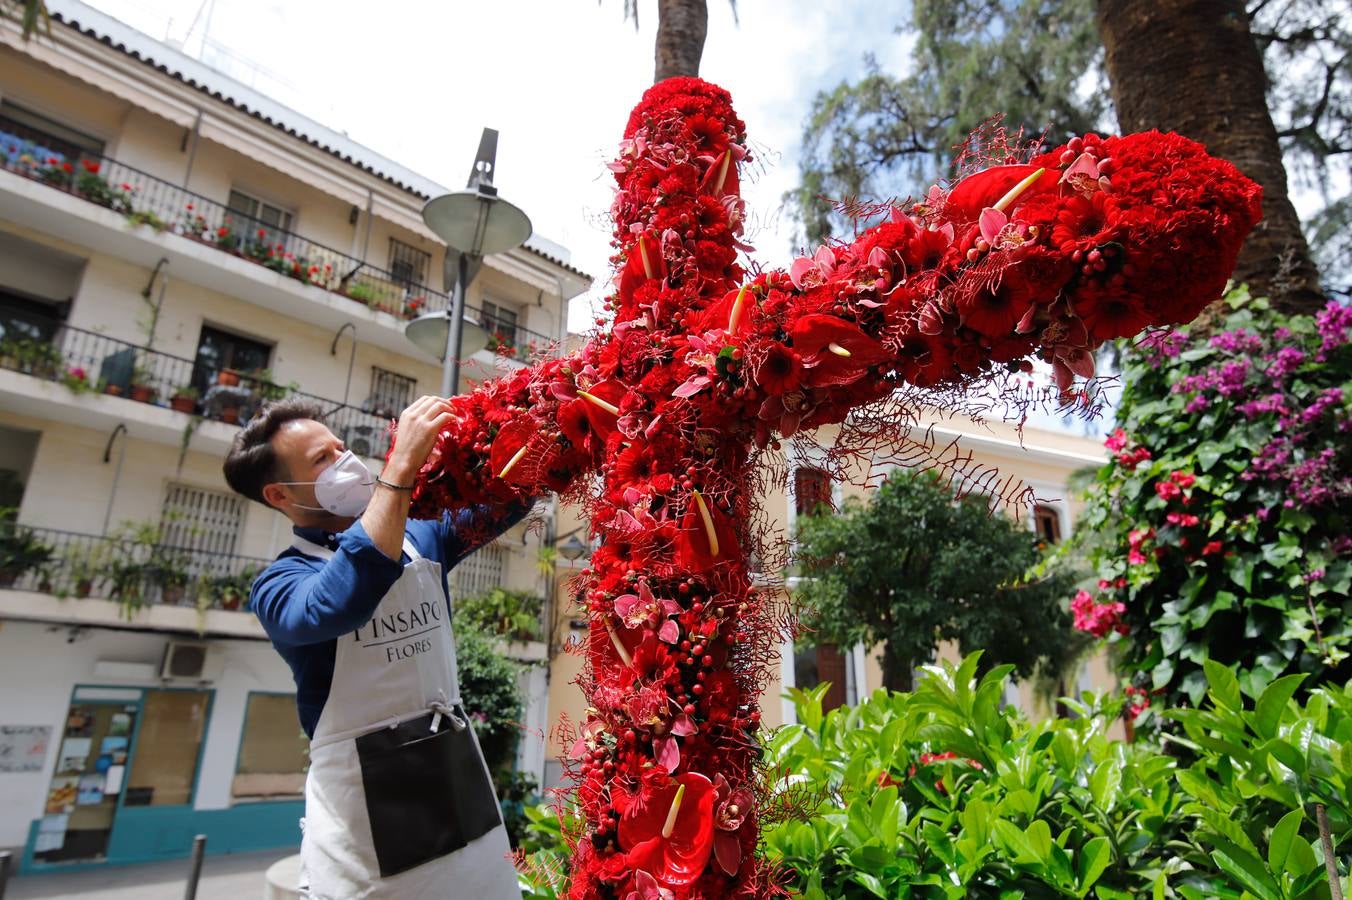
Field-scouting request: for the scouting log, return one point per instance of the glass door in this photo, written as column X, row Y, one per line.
column 82, row 800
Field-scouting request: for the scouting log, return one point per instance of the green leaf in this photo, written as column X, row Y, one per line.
column 1040, row 839
column 1094, row 858
column 1283, row 834
column 1267, row 713
column 1208, row 454
column 1224, row 685
column 1104, row 784
column 1248, row 871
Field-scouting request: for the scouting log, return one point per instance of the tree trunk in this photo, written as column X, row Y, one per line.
column 896, row 671
column 681, row 28
column 1192, row 66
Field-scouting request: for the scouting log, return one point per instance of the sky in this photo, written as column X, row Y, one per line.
column 417, row 81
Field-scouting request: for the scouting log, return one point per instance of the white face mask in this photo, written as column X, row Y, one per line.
column 344, row 488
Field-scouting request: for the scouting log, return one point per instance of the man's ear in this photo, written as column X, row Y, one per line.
column 275, row 496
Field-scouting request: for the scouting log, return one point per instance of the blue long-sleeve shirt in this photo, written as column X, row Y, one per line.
column 306, row 604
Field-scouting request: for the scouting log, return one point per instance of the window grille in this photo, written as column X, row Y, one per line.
column 195, row 518
column 408, row 265
column 481, row 571
column 391, row 393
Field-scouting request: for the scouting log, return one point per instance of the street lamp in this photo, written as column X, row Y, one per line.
column 572, row 549
column 474, row 223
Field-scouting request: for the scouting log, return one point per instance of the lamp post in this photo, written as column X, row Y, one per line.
column 474, row 223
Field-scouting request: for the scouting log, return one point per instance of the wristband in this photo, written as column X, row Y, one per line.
column 393, row 487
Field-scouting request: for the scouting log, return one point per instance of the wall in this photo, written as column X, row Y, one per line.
column 40, row 666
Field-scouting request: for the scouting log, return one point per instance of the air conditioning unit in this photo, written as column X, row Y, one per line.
column 191, row 661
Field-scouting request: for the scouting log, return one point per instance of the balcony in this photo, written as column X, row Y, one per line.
column 127, row 579
column 162, row 207
column 86, row 363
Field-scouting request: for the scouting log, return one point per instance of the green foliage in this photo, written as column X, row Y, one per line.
column 492, row 698
column 973, row 59
column 512, row 615
column 21, row 550
column 942, row 793
column 1263, row 578
column 910, row 567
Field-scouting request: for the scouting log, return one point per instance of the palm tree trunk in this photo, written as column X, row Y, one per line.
column 1192, row 66
column 681, row 28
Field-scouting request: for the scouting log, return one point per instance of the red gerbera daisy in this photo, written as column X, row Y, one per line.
column 780, row 371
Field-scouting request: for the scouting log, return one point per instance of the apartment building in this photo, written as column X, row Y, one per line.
column 176, row 249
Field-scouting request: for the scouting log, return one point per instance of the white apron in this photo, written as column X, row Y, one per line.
column 398, row 800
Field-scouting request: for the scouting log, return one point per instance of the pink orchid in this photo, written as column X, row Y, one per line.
column 1002, row 234
column 809, row 272
column 1083, row 176
column 647, row 888
column 638, row 610
column 731, row 808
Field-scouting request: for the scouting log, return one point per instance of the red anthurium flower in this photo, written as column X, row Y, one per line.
column 985, row 188
column 645, row 262
column 706, row 537
column 511, row 456
column 730, row 811
column 669, row 831
column 834, row 352
column 601, row 406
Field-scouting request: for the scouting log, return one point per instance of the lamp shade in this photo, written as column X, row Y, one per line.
column 573, row 549
column 430, row 331
column 476, row 222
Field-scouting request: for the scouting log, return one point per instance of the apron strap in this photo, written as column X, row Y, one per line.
column 310, row 548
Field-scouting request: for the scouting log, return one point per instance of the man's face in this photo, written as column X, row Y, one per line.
column 304, row 449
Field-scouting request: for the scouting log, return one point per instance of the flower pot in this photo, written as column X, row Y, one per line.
column 142, row 393
column 183, row 404
column 113, row 390
column 172, row 595
column 83, row 587
column 230, row 415
column 9, row 576
column 227, row 378
column 230, row 600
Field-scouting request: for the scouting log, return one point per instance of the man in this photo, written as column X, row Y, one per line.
column 398, row 801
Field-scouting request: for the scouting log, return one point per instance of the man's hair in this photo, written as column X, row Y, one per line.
column 252, row 462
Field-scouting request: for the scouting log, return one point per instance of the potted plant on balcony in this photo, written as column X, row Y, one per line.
column 227, row 377
column 77, row 380
column 38, row 358
column 168, row 570
column 185, row 399
column 141, row 389
column 9, row 353
column 21, row 551
column 84, row 565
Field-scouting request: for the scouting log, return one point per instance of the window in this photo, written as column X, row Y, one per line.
column 825, row 662
column 500, row 322
column 217, row 350
column 272, row 750
column 22, row 318
column 390, row 393
column 1047, row 523
column 811, row 489
column 164, row 765
column 194, row 518
column 408, row 265
column 47, row 133
column 273, row 219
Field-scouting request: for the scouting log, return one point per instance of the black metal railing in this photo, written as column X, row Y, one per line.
column 147, row 200
column 130, row 567
column 87, row 362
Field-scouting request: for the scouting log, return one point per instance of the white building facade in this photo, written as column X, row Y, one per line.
column 175, row 250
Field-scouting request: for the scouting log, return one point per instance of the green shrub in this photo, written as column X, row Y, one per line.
column 944, row 793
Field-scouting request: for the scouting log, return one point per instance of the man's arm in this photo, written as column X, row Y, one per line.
column 387, row 514
column 298, row 605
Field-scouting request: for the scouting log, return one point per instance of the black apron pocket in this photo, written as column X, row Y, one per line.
column 427, row 794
